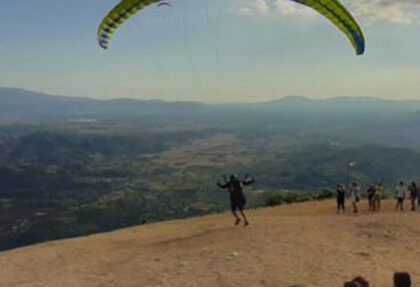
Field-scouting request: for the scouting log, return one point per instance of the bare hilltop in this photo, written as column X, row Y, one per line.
column 305, row 244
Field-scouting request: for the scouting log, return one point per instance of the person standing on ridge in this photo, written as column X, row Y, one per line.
column 413, row 195
column 400, row 192
column 341, row 197
column 237, row 197
column 377, row 197
column 418, row 195
column 355, row 196
column 370, row 195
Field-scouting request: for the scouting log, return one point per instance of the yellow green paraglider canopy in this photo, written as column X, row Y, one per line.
column 331, row 9
column 336, row 13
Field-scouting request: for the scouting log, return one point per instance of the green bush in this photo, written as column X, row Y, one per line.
column 324, row 194
column 275, row 200
column 291, row 197
column 286, row 198
column 304, row 198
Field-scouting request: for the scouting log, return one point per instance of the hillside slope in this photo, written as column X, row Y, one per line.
column 305, row 244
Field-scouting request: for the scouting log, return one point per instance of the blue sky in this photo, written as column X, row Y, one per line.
column 212, row 51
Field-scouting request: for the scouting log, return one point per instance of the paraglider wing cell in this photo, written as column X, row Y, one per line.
column 117, row 16
column 337, row 13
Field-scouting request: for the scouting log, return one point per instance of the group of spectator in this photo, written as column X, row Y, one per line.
column 402, row 192
column 375, row 194
column 401, row 279
column 354, row 196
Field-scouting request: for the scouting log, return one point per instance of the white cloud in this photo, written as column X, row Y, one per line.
column 255, row 7
column 245, row 11
column 266, row 7
column 261, row 7
column 287, row 7
column 402, row 12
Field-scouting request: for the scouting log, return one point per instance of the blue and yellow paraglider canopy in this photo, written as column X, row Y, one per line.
column 331, row 9
column 336, row 13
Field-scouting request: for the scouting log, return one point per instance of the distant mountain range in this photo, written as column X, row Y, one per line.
column 23, row 104
column 27, row 104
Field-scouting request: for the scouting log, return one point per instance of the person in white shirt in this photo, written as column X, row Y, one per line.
column 400, row 193
column 355, row 196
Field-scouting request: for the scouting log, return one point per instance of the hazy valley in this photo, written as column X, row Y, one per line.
column 75, row 166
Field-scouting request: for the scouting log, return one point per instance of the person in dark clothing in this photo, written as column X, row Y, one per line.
column 370, row 194
column 352, row 284
column 402, row 279
column 237, row 197
column 418, row 195
column 359, row 281
column 413, row 195
column 341, row 195
column 362, row 281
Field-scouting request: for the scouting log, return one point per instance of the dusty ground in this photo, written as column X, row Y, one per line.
column 306, row 244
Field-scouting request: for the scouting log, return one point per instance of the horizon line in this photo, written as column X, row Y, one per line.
column 276, row 99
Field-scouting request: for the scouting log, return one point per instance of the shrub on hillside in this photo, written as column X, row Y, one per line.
column 286, row 198
column 274, row 200
column 324, row 194
column 291, row 197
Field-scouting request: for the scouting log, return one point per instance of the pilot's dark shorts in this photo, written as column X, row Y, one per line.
column 237, row 202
